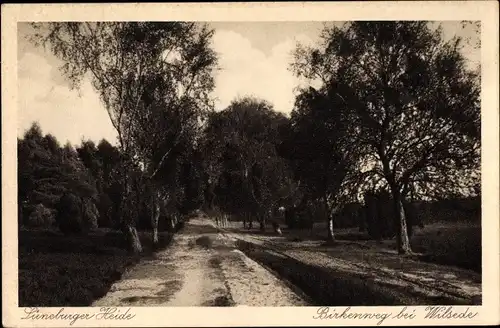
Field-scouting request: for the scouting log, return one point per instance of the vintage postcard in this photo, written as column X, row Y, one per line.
column 250, row 164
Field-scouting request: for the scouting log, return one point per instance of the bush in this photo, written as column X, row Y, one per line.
column 106, row 211
column 76, row 215
column 69, row 214
column 90, row 214
column 41, row 217
column 379, row 214
column 298, row 218
column 24, row 211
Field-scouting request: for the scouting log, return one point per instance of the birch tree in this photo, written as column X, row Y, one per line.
column 413, row 107
column 153, row 79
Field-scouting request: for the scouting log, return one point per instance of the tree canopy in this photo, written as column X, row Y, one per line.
column 154, row 80
column 412, row 106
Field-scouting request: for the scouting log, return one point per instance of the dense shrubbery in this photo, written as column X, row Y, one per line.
column 69, row 214
column 76, row 215
column 41, row 217
column 53, row 184
column 73, row 270
column 376, row 216
column 302, row 216
column 418, row 212
column 80, row 189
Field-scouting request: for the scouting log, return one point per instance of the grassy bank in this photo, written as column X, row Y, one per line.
column 456, row 244
column 58, row 270
column 332, row 286
column 448, row 243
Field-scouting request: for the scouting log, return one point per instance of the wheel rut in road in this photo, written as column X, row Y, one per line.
column 202, row 267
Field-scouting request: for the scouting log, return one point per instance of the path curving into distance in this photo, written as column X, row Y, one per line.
column 202, row 267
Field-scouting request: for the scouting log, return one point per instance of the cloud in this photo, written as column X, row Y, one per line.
column 246, row 70
column 46, row 98
column 67, row 114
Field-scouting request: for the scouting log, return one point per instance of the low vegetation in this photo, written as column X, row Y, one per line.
column 455, row 244
column 331, row 285
column 59, row 270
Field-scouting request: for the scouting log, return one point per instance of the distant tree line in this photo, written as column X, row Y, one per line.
column 393, row 120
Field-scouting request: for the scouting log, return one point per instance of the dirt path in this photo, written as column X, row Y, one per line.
column 202, row 267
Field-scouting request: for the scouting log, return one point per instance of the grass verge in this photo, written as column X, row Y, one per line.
column 327, row 287
column 57, row 270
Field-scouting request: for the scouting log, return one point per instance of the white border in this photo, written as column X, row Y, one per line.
column 486, row 11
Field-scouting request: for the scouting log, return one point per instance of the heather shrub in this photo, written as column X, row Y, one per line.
column 69, row 214
column 41, row 217
column 90, row 214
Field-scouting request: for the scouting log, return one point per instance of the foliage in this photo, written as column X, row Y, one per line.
column 154, row 80
column 89, row 173
column 379, row 215
column 243, row 170
column 71, row 270
column 46, row 171
column 412, row 107
column 41, row 216
column 76, row 215
column 90, row 214
column 69, row 214
column 317, row 147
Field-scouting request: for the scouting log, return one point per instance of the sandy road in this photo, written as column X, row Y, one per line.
column 201, row 267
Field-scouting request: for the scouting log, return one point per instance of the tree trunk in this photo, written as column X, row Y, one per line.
column 172, row 222
column 155, row 236
column 276, row 228
column 410, row 217
column 262, row 223
column 329, row 219
column 362, row 219
column 280, row 218
column 155, row 219
column 402, row 239
column 127, row 215
column 331, row 235
column 134, row 241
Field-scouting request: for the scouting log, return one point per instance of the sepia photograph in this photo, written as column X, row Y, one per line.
column 345, row 163
column 190, row 163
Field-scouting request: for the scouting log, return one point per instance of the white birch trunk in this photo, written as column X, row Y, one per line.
column 172, row 223
column 135, row 242
column 157, row 202
column 156, row 218
column 404, row 247
column 331, row 235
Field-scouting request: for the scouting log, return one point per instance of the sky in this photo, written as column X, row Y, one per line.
column 253, row 56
